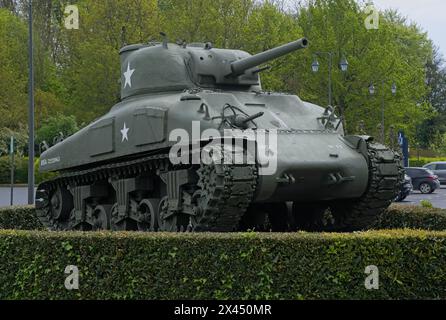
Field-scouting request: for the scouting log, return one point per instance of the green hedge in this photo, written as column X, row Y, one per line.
column 413, row 217
column 19, row 218
column 226, row 266
column 223, row 266
column 419, row 162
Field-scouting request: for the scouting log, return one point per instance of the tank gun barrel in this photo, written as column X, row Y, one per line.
column 240, row 66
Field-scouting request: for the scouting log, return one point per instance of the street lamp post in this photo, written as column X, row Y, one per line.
column 372, row 91
column 31, row 110
column 343, row 65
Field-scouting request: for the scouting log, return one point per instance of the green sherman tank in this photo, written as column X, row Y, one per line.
column 117, row 173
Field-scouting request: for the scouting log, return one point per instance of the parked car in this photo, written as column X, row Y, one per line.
column 423, row 180
column 439, row 169
column 406, row 189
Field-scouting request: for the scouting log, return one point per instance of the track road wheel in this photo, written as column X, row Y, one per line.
column 148, row 216
column 76, row 224
column 101, row 215
column 172, row 222
column 121, row 224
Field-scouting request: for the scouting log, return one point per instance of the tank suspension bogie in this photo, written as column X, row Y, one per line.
column 201, row 198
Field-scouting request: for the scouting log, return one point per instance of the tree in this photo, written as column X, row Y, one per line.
column 397, row 51
column 432, row 130
column 77, row 71
column 54, row 126
column 13, row 69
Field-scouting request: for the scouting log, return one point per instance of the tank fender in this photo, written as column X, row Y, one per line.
column 359, row 143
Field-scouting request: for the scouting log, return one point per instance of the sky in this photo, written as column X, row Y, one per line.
column 430, row 15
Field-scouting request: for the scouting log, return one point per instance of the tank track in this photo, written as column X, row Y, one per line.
column 226, row 200
column 228, row 196
column 386, row 175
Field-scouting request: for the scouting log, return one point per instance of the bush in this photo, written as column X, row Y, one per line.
column 419, row 162
column 413, row 217
column 426, row 204
column 223, row 266
column 19, row 218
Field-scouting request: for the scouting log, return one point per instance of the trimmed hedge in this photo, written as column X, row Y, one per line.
column 413, row 217
column 226, row 266
column 397, row 217
column 419, row 162
column 19, row 218
column 223, row 266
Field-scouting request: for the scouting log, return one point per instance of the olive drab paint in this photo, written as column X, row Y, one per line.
column 114, row 170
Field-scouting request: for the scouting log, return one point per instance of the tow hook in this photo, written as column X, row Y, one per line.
column 286, row 179
column 337, row 178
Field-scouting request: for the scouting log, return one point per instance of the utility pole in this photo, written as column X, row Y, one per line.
column 330, row 86
column 11, row 151
column 383, row 109
column 31, row 109
column 383, row 114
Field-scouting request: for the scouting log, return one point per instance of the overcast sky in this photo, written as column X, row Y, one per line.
column 428, row 14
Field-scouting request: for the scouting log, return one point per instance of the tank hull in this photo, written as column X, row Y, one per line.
column 332, row 170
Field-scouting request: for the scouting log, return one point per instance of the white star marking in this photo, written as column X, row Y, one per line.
column 125, row 132
column 128, row 76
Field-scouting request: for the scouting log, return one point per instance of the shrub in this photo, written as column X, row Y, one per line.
column 419, row 162
column 426, row 204
column 19, row 218
column 413, row 217
column 223, row 266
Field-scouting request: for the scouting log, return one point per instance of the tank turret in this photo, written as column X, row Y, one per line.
column 159, row 67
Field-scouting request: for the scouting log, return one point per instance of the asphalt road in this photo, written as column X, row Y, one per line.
column 438, row 198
